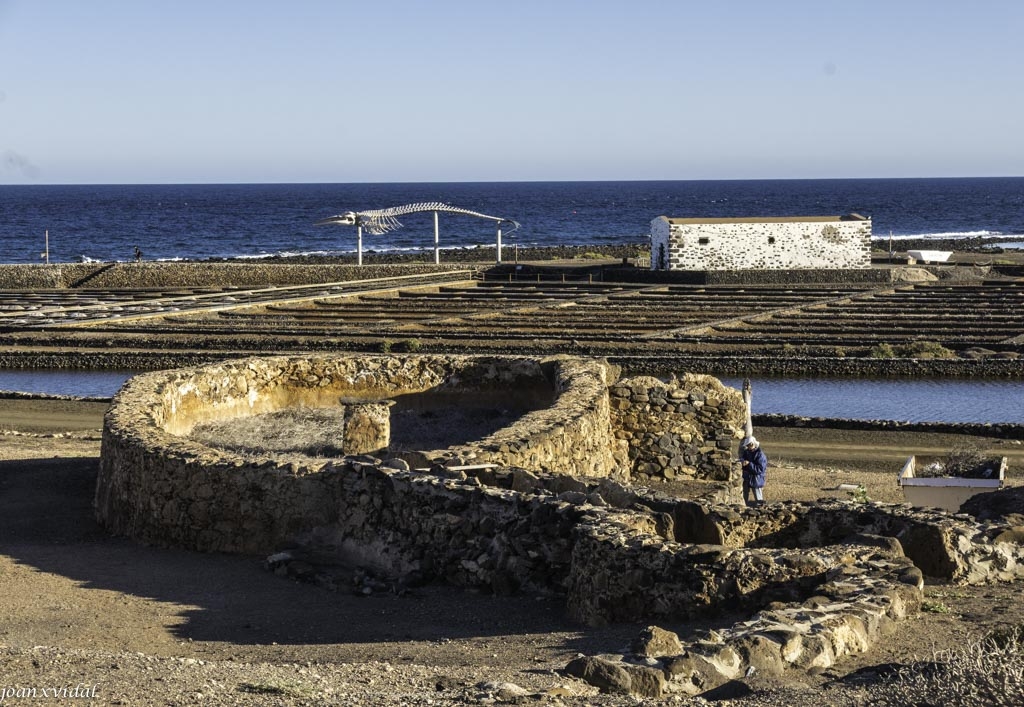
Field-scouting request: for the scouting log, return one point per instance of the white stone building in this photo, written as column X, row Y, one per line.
column 769, row 243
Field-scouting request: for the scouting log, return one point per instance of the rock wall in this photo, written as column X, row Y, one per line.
column 824, row 581
column 809, row 276
column 685, row 428
column 199, row 274
column 780, row 364
column 573, row 436
column 856, row 603
column 760, row 244
column 954, row 548
column 1003, row 430
column 158, row 485
column 615, row 553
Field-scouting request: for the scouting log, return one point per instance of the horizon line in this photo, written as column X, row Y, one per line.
column 505, row 181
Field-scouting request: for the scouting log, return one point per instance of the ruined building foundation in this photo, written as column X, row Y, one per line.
column 542, row 504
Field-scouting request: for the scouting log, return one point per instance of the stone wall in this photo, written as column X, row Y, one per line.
column 685, row 428
column 1002, row 430
column 158, row 484
column 808, row 276
column 199, row 274
column 824, row 579
column 953, row 548
column 760, row 244
column 573, row 436
column 766, row 363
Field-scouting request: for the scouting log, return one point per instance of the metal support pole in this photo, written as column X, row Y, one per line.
column 359, row 245
column 499, row 241
column 46, row 252
column 437, row 240
column 748, row 424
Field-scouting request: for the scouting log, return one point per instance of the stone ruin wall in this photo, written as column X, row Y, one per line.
column 767, row 245
column 158, row 485
column 824, row 579
column 683, row 429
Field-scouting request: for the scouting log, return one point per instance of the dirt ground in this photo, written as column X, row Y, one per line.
column 141, row 625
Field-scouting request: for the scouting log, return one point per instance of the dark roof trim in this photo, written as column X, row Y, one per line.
column 768, row 219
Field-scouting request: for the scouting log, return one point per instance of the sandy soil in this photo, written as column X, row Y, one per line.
column 142, row 625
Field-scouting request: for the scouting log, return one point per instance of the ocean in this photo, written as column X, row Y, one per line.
column 204, row 221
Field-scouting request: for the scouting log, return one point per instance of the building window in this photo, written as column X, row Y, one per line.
column 703, row 240
column 771, row 240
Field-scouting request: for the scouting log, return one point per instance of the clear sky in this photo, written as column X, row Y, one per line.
column 141, row 91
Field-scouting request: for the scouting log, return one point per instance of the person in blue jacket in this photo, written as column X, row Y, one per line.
column 755, row 469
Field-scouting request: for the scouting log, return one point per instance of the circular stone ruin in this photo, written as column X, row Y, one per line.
column 516, row 493
column 176, row 469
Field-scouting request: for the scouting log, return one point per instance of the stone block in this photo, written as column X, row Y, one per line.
column 656, row 642
column 605, row 675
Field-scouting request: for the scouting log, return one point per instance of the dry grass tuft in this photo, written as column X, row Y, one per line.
column 314, row 432
column 964, row 460
column 987, row 672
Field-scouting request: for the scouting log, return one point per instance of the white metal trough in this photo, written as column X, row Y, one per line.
column 930, row 256
column 948, row 492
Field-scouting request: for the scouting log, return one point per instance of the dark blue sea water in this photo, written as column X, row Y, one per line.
column 258, row 220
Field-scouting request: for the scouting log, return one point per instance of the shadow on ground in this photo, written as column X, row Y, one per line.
column 101, row 591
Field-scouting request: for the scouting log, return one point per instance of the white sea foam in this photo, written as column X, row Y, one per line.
column 946, row 234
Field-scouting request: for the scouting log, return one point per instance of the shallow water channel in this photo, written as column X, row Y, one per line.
column 950, row 400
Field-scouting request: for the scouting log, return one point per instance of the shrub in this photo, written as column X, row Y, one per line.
column 989, row 672
column 385, row 346
column 926, row 349
column 859, row 495
column 882, row 350
column 412, row 345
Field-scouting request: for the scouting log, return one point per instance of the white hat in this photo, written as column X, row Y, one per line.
column 750, row 441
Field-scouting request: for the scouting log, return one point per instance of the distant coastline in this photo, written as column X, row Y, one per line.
column 202, row 222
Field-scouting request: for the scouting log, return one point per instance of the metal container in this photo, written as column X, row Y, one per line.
column 948, row 492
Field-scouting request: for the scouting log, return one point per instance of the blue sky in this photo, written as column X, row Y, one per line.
column 132, row 91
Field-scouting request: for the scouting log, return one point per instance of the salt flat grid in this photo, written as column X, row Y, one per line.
column 549, row 316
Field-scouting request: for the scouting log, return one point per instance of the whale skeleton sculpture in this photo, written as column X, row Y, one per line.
column 380, row 221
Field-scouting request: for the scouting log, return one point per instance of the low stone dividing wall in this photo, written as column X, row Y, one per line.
column 116, row 360
column 824, row 367
column 751, row 277
column 856, row 601
column 1007, row 430
column 951, row 547
column 573, row 436
column 683, row 428
column 256, row 273
column 825, row 580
